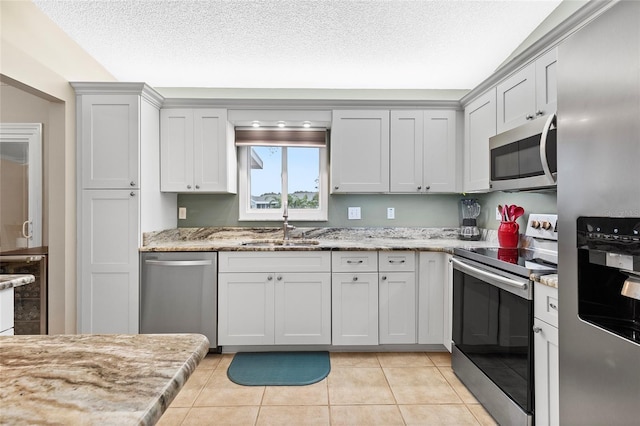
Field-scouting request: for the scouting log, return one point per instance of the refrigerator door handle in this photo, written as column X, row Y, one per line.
column 551, row 121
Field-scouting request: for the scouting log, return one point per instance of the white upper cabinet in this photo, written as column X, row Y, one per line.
column 197, row 151
column 528, row 93
column 360, row 151
column 109, row 130
column 423, row 151
column 479, row 126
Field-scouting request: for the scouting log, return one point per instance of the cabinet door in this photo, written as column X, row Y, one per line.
column 431, row 298
column 547, row 391
column 6, row 309
column 516, row 99
column 397, row 307
column 479, row 126
column 108, row 260
column 245, row 309
column 210, row 151
column 360, row 151
column 406, row 151
column 303, row 308
column 354, row 308
column 176, row 150
column 439, row 155
column 109, row 141
column 546, row 83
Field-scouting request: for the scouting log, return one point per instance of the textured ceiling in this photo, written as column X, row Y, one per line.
column 364, row 44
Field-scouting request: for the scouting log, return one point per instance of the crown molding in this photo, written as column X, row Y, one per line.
column 118, row 88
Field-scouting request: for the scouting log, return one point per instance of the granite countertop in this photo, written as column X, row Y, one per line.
column 232, row 239
column 550, row 280
column 10, row 281
column 94, row 379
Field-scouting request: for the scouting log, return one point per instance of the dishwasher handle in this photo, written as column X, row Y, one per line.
column 179, row 262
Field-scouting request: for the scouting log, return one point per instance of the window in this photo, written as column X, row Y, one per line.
column 269, row 175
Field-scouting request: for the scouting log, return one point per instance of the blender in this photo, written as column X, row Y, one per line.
column 469, row 211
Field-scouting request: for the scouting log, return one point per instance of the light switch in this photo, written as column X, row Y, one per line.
column 182, row 212
column 354, row 213
column 391, row 213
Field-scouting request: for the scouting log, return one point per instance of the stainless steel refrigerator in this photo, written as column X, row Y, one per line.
column 599, row 183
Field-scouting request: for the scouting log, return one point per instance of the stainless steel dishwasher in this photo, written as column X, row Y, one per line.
column 178, row 293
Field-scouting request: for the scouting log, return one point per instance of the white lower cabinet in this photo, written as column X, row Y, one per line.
column 291, row 306
column 431, row 298
column 109, row 260
column 354, row 305
column 397, row 302
column 546, row 355
column 6, row 311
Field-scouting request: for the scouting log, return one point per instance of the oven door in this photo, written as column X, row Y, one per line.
column 493, row 332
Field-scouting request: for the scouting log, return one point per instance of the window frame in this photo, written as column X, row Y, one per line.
column 312, row 215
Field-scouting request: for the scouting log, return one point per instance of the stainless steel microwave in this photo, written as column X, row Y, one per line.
column 526, row 157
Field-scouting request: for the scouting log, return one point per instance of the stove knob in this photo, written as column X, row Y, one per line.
column 535, row 224
column 546, row 225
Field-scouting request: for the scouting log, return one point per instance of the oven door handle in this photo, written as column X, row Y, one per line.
column 482, row 274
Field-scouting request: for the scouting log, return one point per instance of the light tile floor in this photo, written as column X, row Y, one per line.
column 362, row 389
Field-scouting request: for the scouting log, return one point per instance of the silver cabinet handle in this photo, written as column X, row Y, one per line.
column 188, row 186
column 539, row 112
column 355, row 278
column 529, row 117
column 396, row 261
column 428, row 187
column 133, row 194
column 279, row 278
column 384, row 277
column 132, row 183
column 498, row 278
column 551, row 121
column 197, row 186
column 178, row 262
column 553, row 306
column 336, row 187
column 269, row 278
column 420, row 187
column 537, row 329
column 26, row 233
column 354, row 262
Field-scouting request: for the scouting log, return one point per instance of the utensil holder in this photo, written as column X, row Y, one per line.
column 508, row 235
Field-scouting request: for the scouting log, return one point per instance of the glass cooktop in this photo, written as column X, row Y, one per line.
column 521, row 261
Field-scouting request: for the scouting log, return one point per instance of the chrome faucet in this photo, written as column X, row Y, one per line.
column 285, row 226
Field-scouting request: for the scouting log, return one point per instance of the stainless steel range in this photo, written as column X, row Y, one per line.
column 493, row 320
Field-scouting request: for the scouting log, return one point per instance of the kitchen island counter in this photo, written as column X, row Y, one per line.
column 94, row 379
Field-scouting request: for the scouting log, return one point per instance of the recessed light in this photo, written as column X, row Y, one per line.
column 281, row 123
column 306, row 124
column 255, row 124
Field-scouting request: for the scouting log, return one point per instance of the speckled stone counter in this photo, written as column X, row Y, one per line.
column 10, row 281
column 94, row 379
column 234, row 239
column 550, row 280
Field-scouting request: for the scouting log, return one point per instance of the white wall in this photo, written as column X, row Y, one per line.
column 39, row 58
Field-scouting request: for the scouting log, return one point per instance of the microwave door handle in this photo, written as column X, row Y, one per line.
column 543, row 147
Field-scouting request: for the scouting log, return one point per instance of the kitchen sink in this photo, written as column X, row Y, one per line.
column 280, row 243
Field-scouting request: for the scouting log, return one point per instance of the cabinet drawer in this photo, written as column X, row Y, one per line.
column 274, row 261
column 354, row 261
column 392, row 261
column 545, row 303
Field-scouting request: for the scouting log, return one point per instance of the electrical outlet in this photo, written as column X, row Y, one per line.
column 391, row 213
column 182, row 212
column 354, row 213
column 498, row 215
